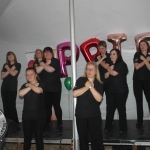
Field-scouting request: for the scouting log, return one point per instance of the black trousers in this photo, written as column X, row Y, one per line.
column 9, row 105
column 53, row 99
column 116, row 100
column 35, row 127
column 140, row 86
column 90, row 128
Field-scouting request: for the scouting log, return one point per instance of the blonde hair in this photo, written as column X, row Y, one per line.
column 97, row 76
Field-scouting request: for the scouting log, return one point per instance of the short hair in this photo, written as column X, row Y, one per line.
column 102, row 43
column 48, row 49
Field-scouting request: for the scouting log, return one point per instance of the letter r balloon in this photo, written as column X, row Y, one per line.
column 65, row 60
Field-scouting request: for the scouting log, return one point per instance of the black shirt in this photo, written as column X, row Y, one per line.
column 142, row 73
column 102, row 70
column 118, row 83
column 52, row 79
column 38, row 64
column 34, row 105
column 10, row 82
column 86, row 105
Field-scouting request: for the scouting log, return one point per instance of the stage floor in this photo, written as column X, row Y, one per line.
column 134, row 136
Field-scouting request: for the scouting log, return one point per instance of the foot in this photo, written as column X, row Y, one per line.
column 123, row 131
column 59, row 128
column 108, row 130
column 139, row 125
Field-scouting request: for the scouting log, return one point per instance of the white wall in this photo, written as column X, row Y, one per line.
column 21, row 49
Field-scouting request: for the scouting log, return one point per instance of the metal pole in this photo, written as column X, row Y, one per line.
column 74, row 74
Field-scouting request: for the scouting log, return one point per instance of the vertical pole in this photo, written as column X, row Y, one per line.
column 74, row 74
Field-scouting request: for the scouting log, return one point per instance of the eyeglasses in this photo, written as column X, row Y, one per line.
column 90, row 69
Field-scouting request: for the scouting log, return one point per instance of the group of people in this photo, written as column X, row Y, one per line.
column 41, row 91
column 108, row 73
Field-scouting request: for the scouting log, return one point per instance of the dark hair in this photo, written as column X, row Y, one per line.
column 148, row 46
column 48, row 49
column 33, row 69
column 119, row 57
column 11, row 53
column 102, row 43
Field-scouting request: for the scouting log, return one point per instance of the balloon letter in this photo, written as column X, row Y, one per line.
column 117, row 39
column 85, row 49
column 64, row 60
column 143, row 36
column 30, row 63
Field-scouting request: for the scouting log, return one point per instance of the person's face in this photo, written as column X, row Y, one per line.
column 31, row 75
column 143, row 46
column 39, row 54
column 11, row 57
column 48, row 55
column 113, row 56
column 90, row 71
column 102, row 49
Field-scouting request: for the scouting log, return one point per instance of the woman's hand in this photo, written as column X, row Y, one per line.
column 142, row 58
column 89, row 84
column 7, row 67
column 13, row 68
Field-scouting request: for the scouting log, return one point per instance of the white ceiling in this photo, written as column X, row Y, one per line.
column 47, row 21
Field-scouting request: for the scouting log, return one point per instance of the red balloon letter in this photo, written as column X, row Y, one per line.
column 85, row 49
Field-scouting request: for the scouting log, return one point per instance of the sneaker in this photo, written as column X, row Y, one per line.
column 139, row 125
column 59, row 128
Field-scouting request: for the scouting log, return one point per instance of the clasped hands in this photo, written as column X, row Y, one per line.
column 89, row 84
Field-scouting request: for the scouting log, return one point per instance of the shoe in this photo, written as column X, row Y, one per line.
column 108, row 130
column 123, row 132
column 139, row 125
column 59, row 128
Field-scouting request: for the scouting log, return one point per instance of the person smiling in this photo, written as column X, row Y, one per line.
column 88, row 90
column 9, row 74
column 50, row 75
column 117, row 91
column 141, row 79
column 34, row 112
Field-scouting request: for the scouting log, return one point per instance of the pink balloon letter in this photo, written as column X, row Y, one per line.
column 117, row 39
column 140, row 37
column 64, row 60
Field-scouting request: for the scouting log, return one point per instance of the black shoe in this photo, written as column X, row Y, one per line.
column 108, row 130
column 123, row 132
column 139, row 125
column 59, row 128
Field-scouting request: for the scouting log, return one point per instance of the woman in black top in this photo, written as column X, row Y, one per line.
column 9, row 74
column 50, row 74
column 88, row 90
column 117, row 91
column 141, row 79
column 34, row 112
